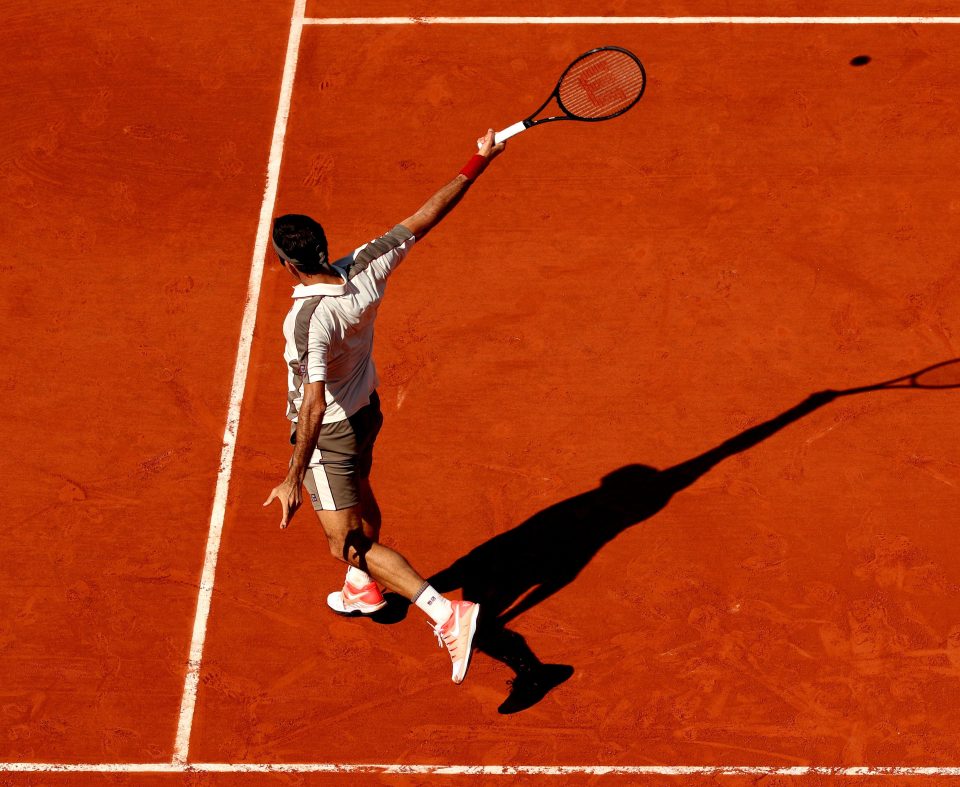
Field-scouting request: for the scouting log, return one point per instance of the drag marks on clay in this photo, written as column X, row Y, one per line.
column 857, row 649
column 77, row 233
column 122, row 201
column 97, row 111
column 229, row 163
column 149, row 132
column 928, row 310
column 896, row 563
column 319, row 178
column 929, row 465
column 319, row 172
column 413, row 356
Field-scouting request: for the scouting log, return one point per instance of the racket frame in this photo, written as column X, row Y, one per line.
column 523, row 125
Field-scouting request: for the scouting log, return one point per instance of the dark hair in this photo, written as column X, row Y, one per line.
column 301, row 241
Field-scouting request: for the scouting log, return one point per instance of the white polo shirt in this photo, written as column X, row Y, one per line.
column 329, row 328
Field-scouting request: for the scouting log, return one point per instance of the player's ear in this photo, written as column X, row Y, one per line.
column 292, row 270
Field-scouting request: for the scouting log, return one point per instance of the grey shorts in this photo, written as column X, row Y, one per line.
column 346, row 456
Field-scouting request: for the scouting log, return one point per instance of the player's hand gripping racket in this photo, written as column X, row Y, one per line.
column 599, row 85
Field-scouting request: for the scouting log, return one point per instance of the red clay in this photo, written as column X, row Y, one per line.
column 767, row 223
column 132, row 164
column 633, row 293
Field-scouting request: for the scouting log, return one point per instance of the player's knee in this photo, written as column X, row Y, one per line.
column 355, row 548
column 351, row 547
column 336, row 546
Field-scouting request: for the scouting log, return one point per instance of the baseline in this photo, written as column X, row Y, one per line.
column 485, row 770
column 635, row 20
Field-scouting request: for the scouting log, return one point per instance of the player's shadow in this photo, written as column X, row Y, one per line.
column 516, row 570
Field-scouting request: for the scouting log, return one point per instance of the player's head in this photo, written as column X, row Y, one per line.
column 301, row 243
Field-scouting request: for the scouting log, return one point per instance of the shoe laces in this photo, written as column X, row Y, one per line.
column 443, row 640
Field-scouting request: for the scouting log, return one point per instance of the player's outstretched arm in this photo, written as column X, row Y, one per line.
column 441, row 203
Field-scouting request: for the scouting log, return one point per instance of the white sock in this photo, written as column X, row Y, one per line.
column 358, row 578
column 435, row 605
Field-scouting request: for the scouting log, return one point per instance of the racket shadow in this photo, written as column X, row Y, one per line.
column 943, row 376
column 521, row 567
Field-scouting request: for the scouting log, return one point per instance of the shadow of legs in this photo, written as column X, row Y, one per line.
column 534, row 679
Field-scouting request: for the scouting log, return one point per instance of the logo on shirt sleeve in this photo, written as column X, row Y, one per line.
column 298, row 368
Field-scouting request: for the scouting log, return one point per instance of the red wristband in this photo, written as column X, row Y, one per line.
column 474, row 167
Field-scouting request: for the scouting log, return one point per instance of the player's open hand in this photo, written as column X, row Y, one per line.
column 289, row 496
column 487, row 146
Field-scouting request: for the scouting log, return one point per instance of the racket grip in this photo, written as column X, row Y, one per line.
column 509, row 131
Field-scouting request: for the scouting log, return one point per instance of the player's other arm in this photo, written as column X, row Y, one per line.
column 309, row 420
column 441, row 203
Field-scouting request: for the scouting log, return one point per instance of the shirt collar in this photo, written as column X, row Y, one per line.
column 310, row 290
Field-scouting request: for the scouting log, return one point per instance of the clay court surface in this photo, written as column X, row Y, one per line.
column 623, row 300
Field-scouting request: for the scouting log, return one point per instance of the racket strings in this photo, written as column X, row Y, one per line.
column 601, row 85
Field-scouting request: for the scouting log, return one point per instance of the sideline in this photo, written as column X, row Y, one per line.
column 188, row 701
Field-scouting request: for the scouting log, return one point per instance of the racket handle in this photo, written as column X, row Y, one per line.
column 509, row 131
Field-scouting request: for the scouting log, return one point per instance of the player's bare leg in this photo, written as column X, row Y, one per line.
column 361, row 595
column 455, row 622
column 369, row 510
column 349, row 537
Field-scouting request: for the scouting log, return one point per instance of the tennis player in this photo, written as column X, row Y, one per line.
column 335, row 411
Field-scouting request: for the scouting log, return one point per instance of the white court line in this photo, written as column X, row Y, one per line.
column 635, row 20
column 482, row 770
column 189, row 698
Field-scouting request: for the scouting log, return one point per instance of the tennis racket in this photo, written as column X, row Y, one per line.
column 942, row 376
column 599, row 85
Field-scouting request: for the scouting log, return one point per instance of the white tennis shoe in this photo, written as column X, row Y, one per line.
column 457, row 634
column 353, row 601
